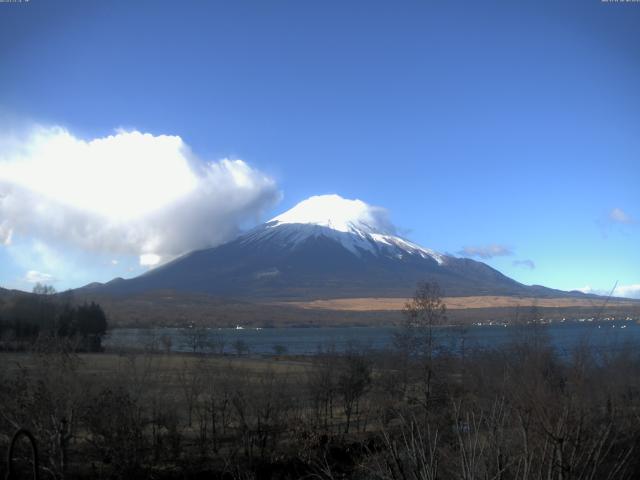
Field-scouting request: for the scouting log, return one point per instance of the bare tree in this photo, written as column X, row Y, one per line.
column 189, row 378
column 422, row 313
column 353, row 381
column 322, row 386
column 42, row 289
column 166, row 343
column 46, row 399
column 195, row 338
column 279, row 349
column 241, row 347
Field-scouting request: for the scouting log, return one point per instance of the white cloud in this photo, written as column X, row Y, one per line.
column 486, row 251
column 34, row 276
column 6, row 235
column 35, row 255
column 149, row 259
column 589, row 289
column 629, row 291
column 625, row 291
column 127, row 193
column 619, row 216
column 338, row 213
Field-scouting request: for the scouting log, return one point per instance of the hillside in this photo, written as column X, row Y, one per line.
column 325, row 247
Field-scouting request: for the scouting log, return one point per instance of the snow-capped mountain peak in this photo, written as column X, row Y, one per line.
column 324, row 247
column 336, row 213
column 356, row 225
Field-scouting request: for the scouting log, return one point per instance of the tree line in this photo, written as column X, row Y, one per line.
column 43, row 315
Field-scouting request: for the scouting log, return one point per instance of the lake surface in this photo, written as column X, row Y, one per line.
column 565, row 336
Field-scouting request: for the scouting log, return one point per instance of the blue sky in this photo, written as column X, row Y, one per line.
column 507, row 131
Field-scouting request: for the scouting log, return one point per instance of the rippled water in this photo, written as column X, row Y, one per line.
column 564, row 336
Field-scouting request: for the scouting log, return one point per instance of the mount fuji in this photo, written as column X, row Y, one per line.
column 324, row 247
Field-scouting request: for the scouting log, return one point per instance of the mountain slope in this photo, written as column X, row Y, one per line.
column 325, row 247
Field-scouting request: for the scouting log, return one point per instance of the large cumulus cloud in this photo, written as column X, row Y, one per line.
column 127, row 193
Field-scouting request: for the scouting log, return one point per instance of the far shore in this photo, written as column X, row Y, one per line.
column 454, row 303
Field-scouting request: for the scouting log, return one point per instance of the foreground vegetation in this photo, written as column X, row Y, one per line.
column 520, row 413
column 416, row 411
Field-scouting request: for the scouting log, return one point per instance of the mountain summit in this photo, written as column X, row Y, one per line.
column 358, row 227
column 324, row 247
column 337, row 213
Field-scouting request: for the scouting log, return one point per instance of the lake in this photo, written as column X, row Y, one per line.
column 564, row 336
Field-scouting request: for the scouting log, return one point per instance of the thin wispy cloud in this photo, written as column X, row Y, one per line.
column 629, row 291
column 617, row 215
column 524, row 264
column 486, row 251
column 128, row 193
column 6, row 233
column 34, row 276
column 625, row 291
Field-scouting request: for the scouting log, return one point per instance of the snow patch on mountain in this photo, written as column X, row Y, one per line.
column 354, row 224
column 337, row 213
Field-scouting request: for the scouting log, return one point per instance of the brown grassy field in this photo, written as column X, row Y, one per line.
column 453, row 303
column 105, row 365
column 159, row 309
column 170, row 309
